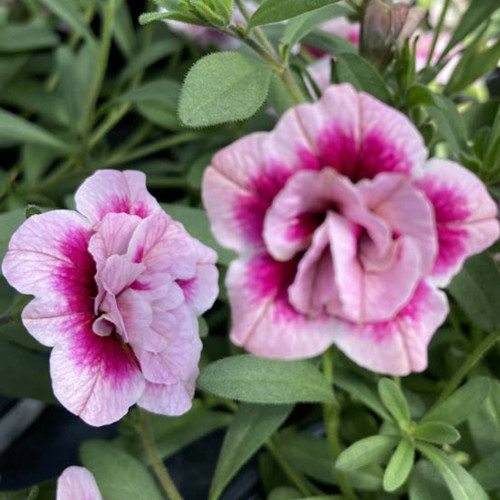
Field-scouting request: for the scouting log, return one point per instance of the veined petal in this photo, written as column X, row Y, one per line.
column 96, row 378
column 77, row 483
column 466, row 215
column 112, row 191
column 264, row 321
column 398, row 346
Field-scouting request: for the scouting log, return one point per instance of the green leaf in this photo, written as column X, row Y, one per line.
column 274, row 11
column 21, row 131
column 24, row 373
column 221, row 88
column 157, row 102
column 462, row 403
column 328, row 42
column 476, row 14
column 366, row 451
column 266, row 381
column 400, row 465
column 298, row 28
column 472, row 66
column 437, row 432
column 427, row 484
column 475, row 289
column 360, row 388
column 123, row 30
column 119, row 475
column 33, row 35
column 460, row 483
column 9, row 222
column 394, row 400
column 173, row 15
column 71, row 14
column 252, row 426
column 196, row 222
column 484, row 424
column 312, row 456
column 486, row 471
column 352, row 68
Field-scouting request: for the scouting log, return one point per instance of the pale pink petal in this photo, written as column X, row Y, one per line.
column 164, row 247
column 77, row 483
column 48, row 258
column 466, row 215
column 179, row 358
column 264, row 322
column 407, row 211
column 119, row 272
column 96, row 378
column 112, row 191
column 399, row 346
column 201, row 291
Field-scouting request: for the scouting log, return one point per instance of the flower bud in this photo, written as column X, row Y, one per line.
column 385, row 27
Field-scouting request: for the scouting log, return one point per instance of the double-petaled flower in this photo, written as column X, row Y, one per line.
column 346, row 232
column 118, row 286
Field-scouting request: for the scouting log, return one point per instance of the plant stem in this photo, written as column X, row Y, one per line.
column 331, row 412
column 155, row 460
column 300, row 482
column 469, row 363
column 437, row 32
column 102, row 63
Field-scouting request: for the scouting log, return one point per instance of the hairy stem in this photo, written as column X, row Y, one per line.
column 159, row 469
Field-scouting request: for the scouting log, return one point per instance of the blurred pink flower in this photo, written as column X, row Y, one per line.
column 117, row 287
column 77, row 483
column 345, row 232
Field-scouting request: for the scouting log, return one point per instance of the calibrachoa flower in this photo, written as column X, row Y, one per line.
column 77, row 483
column 117, row 287
column 345, row 232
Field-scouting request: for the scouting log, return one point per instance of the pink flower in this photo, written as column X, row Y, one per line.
column 117, row 287
column 77, row 483
column 345, row 232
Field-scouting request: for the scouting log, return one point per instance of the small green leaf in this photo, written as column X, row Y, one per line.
column 196, row 222
column 394, row 400
column 462, row 403
column 221, row 88
column 373, row 449
column 475, row 289
column 437, row 432
column 400, row 465
column 328, row 42
column 487, row 470
column 266, row 381
column 352, row 68
column 21, row 131
column 33, row 35
column 119, row 475
column 274, row 11
column 252, row 426
column 460, row 483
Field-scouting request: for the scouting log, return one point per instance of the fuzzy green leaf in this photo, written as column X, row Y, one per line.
column 400, row 465
column 373, row 449
column 394, row 400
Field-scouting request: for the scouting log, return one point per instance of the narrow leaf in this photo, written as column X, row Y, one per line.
column 266, row 381
column 427, row 484
column 223, row 87
column 400, row 465
column 252, row 426
column 437, row 432
column 460, row 483
column 371, row 449
column 394, row 400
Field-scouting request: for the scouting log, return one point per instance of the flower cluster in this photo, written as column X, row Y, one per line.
column 346, row 233
column 118, row 286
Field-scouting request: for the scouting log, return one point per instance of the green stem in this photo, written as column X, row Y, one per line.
column 102, row 63
column 468, row 365
column 111, row 120
column 299, row 481
column 149, row 149
column 331, row 412
column 154, row 458
column 437, row 32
